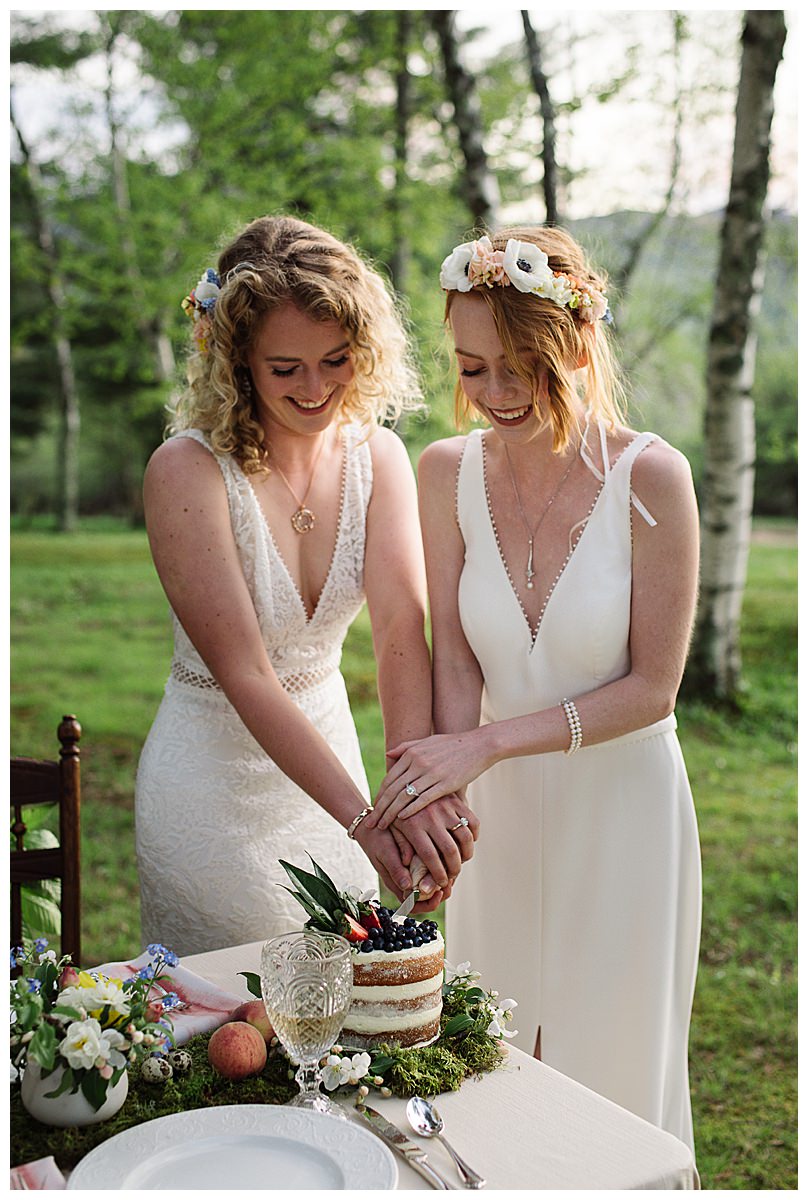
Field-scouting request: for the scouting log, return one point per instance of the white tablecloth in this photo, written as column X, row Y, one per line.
column 522, row 1126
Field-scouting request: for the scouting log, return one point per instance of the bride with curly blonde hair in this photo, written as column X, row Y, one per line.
column 278, row 507
column 273, row 260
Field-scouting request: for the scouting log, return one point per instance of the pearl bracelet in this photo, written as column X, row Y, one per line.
column 356, row 822
column 574, row 722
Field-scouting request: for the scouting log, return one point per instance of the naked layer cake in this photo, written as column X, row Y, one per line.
column 397, row 967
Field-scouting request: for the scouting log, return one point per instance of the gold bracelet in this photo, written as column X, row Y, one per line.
column 356, row 822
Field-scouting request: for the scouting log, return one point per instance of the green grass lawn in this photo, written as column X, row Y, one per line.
column 91, row 636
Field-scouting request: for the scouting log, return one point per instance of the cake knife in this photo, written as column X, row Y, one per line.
column 399, row 1142
column 417, row 871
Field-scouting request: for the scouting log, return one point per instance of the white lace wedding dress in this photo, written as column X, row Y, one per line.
column 213, row 812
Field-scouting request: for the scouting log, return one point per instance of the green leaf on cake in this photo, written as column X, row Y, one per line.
column 319, row 896
column 317, row 914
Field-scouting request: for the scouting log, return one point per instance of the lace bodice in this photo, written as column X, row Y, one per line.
column 302, row 649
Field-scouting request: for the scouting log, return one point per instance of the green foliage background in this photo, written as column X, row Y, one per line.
column 265, row 111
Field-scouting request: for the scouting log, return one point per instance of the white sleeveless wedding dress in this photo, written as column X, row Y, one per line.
column 213, row 812
column 583, row 899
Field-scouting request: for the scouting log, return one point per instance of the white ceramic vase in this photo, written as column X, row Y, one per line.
column 71, row 1108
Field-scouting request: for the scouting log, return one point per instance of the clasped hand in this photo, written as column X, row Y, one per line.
column 426, row 770
column 435, row 835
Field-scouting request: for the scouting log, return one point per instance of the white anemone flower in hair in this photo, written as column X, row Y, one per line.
column 527, row 267
column 454, row 269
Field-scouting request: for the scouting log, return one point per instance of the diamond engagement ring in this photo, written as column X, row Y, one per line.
column 411, row 790
column 461, row 824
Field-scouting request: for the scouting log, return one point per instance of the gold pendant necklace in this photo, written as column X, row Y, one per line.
column 531, row 535
column 303, row 519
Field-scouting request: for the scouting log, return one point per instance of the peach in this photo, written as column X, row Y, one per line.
column 254, row 1013
column 237, row 1050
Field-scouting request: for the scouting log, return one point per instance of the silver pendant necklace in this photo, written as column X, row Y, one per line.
column 303, row 519
column 531, row 535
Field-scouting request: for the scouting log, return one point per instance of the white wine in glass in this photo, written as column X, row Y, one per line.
column 307, row 983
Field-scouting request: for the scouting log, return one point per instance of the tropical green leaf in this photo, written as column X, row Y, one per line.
column 65, row 1084
column 322, row 894
column 94, row 1088
column 320, row 873
column 42, row 1047
column 458, row 1023
column 253, row 982
column 317, row 914
column 64, row 1010
column 380, row 1064
column 40, row 914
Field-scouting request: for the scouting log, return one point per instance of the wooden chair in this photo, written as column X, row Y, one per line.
column 34, row 781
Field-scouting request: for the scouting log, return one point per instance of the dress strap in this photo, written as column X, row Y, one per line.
column 600, row 475
column 635, row 447
column 631, row 453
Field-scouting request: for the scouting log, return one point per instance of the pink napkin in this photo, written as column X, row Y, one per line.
column 41, row 1174
column 206, row 1007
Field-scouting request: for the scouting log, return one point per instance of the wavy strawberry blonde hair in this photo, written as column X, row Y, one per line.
column 274, row 261
column 538, row 335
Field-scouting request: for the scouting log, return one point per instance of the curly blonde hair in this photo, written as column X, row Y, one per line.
column 538, row 335
column 273, row 261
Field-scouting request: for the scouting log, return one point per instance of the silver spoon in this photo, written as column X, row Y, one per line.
column 427, row 1121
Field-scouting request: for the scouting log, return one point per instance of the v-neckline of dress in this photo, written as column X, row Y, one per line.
column 309, row 618
column 582, row 525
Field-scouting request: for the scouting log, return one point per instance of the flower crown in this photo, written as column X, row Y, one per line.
column 199, row 305
column 526, row 266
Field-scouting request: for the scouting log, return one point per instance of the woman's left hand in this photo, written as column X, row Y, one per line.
column 431, row 767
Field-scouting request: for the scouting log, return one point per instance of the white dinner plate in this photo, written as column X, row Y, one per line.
column 239, row 1147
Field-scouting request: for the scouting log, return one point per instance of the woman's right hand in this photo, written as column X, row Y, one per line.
column 382, row 849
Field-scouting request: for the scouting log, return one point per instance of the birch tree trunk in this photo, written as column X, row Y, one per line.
column 400, row 256
column 715, row 660
column 67, row 466
column 481, row 186
column 548, row 151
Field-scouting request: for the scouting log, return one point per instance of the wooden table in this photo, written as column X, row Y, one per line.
column 522, row 1126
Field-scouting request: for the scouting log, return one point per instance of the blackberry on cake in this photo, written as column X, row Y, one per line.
column 397, row 964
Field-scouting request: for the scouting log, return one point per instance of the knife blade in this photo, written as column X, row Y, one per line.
column 398, row 1141
column 408, row 904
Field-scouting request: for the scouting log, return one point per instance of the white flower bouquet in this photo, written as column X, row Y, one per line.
column 88, row 1025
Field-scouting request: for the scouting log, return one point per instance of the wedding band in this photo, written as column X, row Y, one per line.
column 461, row 824
column 410, row 790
